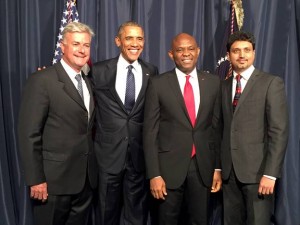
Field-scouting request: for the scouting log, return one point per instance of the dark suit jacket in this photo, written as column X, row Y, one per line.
column 115, row 128
column 255, row 136
column 55, row 138
column 169, row 134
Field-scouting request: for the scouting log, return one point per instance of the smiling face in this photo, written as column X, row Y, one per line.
column 241, row 55
column 131, row 42
column 76, row 49
column 184, row 52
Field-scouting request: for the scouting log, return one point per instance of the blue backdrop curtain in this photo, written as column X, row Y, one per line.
column 29, row 29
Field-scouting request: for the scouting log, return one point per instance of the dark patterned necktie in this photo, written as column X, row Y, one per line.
column 238, row 91
column 79, row 85
column 189, row 100
column 130, row 90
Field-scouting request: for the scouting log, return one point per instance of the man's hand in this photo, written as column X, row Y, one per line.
column 39, row 192
column 266, row 186
column 158, row 188
column 217, row 182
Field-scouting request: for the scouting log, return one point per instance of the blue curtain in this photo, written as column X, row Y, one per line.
column 29, row 29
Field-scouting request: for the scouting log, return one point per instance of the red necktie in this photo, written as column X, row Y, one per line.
column 189, row 100
column 238, row 91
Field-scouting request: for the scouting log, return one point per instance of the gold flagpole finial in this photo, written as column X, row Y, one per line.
column 239, row 12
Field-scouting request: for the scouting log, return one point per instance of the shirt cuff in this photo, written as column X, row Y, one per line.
column 270, row 177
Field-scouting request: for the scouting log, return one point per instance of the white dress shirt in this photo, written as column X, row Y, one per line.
column 122, row 70
column 72, row 73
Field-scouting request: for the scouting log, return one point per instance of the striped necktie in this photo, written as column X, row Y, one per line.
column 238, row 91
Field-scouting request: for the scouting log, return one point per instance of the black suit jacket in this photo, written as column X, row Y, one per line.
column 115, row 128
column 55, row 138
column 169, row 134
column 255, row 135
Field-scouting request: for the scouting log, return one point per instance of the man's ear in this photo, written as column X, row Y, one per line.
column 170, row 53
column 117, row 41
column 198, row 50
column 227, row 54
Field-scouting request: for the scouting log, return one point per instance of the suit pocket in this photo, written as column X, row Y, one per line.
column 54, row 156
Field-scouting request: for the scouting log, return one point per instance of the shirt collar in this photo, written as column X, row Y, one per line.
column 70, row 71
column 246, row 74
column 192, row 74
column 124, row 64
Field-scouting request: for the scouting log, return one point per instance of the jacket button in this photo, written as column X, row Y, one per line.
column 125, row 138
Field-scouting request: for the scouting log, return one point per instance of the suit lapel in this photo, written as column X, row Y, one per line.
column 92, row 102
column 228, row 94
column 174, row 84
column 202, row 91
column 247, row 89
column 145, row 78
column 112, row 75
column 68, row 85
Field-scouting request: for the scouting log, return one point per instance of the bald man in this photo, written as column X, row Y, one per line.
column 182, row 111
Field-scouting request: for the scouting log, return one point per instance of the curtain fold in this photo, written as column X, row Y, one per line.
column 29, row 34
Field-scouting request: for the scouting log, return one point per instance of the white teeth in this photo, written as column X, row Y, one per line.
column 134, row 51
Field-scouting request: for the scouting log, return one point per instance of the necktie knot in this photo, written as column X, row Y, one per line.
column 238, row 77
column 78, row 77
column 130, row 67
column 188, row 78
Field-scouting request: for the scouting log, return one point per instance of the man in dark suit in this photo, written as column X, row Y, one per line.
column 120, row 84
column 182, row 110
column 55, row 137
column 255, row 136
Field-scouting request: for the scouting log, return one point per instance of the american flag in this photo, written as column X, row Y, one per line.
column 224, row 69
column 70, row 14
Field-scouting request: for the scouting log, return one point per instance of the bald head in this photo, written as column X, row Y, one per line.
column 182, row 36
column 184, row 52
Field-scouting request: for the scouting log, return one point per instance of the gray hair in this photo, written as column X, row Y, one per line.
column 77, row 27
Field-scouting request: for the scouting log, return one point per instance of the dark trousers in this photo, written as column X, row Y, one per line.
column 64, row 209
column 243, row 205
column 188, row 202
column 127, row 190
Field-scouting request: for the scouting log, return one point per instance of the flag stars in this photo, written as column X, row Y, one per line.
column 66, row 12
column 69, row 14
column 222, row 60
